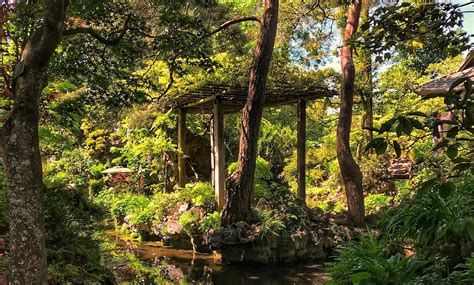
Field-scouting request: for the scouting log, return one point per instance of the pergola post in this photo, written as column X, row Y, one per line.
column 181, row 147
column 301, row 149
column 217, row 144
column 213, row 159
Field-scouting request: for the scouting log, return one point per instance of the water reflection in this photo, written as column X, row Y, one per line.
column 184, row 267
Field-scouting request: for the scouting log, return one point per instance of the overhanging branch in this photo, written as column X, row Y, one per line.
column 97, row 35
column 232, row 22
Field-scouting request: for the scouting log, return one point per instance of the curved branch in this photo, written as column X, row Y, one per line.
column 232, row 22
column 96, row 34
column 170, row 84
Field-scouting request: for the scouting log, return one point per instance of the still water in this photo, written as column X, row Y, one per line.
column 184, row 267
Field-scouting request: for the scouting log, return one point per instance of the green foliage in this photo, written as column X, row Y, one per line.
column 188, row 220
column 367, row 262
column 64, row 87
column 270, row 223
column 431, row 219
column 263, row 175
column 277, row 141
column 212, row 221
column 374, row 202
column 4, row 264
column 408, row 26
column 129, row 204
column 73, row 253
column 146, row 146
column 201, row 194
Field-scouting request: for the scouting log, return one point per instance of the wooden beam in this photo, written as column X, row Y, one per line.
column 301, row 149
column 199, row 102
column 218, row 150
column 182, row 147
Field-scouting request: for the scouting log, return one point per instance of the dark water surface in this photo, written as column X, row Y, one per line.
column 186, row 268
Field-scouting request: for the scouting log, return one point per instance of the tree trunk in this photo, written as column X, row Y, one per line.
column 21, row 154
column 241, row 183
column 350, row 171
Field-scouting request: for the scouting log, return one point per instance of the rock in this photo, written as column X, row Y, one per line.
column 316, row 250
column 232, row 253
column 346, row 232
column 315, row 214
column 467, row 249
column 272, row 241
column 264, row 205
column 244, row 232
column 173, row 272
column 259, row 252
column 156, row 229
column 183, row 207
column 300, row 238
column 173, row 227
column 286, row 250
column 127, row 219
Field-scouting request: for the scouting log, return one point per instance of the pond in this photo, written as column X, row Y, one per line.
column 184, row 267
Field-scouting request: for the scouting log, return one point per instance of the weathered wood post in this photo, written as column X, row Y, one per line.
column 181, row 147
column 213, row 159
column 218, row 153
column 301, row 149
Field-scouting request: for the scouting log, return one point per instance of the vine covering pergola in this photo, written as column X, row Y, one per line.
column 221, row 99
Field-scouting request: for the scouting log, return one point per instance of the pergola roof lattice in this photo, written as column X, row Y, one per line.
column 233, row 97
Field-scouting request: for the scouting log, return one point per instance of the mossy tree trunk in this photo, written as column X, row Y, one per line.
column 240, row 184
column 21, row 154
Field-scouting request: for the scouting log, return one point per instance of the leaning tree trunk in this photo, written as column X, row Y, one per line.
column 350, row 171
column 21, row 154
column 241, row 183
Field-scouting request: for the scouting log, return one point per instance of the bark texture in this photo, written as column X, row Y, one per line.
column 241, row 183
column 21, row 154
column 350, row 171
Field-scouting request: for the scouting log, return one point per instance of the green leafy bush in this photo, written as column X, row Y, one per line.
column 73, row 253
column 367, row 262
column 129, row 204
column 263, row 175
column 212, row 221
column 156, row 209
column 270, row 223
column 374, row 202
column 188, row 219
column 200, row 194
column 433, row 217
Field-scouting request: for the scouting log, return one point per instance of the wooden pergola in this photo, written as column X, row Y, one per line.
column 442, row 84
column 219, row 100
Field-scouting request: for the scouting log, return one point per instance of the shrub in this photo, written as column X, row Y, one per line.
column 200, row 194
column 270, row 223
column 73, row 253
column 128, row 205
column 429, row 219
column 263, row 175
column 188, row 219
column 373, row 202
column 367, row 262
column 212, row 221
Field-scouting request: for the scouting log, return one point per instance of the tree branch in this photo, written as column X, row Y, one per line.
column 96, row 34
column 232, row 22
